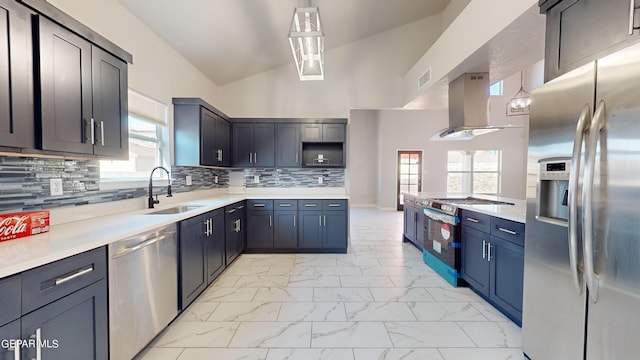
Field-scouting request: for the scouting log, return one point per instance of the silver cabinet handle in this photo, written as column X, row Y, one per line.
column 73, row 276
column 334, row 205
column 320, row 220
column 259, row 205
column 296, row 157
column 597, row 123
column 285, row 205
column 294, row 221
column 231, row 211
column 473, row 220
column 16, row 352
column 324, row 220
column 581, row 128
column 489, row 252
column 255, row 158
column 310, row 205
column 219, row 154
column 507, row 231
column 38, row 337
column 93, row 131
column 270, row 221
column 102, row 132
column 484, row 249
column 206, row 227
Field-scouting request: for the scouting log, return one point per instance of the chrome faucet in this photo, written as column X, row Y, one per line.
column 153, row 201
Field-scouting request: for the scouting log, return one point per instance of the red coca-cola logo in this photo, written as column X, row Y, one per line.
column 13, row 225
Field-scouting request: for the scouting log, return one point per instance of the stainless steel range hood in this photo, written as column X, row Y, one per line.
column 468, row 109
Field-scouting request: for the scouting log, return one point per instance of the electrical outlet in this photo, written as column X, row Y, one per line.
column 320, row 180
column 215, row 179
column 55, row 187
column 189, row 180
column 256, row 179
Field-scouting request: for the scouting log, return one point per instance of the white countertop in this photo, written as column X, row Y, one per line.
column 515, row 212
column 67, row 238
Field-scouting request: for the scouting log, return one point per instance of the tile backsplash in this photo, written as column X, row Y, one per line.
column 24, row 183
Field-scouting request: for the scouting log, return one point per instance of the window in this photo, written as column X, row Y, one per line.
column 147, row 142
column 409, row 175
column 496, row 89
column 475, row 172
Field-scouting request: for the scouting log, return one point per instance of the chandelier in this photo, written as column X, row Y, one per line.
column 307, row 43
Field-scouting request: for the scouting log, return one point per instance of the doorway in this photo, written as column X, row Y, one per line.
column 409, row 177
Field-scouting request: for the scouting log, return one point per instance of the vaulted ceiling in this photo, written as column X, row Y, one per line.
column 229, row 40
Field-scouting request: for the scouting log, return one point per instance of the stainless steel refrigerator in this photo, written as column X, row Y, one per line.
column 582, row 247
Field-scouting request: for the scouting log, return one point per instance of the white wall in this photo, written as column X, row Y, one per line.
column 412, row 129
column 452, row 10
column 364, row 74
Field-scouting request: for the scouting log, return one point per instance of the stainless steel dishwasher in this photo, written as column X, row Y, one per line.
column 143, row 289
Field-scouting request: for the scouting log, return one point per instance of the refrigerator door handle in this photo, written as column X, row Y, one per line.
column 581, row 128
column 597, row 124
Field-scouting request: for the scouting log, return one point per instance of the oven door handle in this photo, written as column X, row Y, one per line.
column 441, row 217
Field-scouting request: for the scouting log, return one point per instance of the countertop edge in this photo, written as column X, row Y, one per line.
column 68, row 239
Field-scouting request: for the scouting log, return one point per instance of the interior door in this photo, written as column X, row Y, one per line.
column 409, row 177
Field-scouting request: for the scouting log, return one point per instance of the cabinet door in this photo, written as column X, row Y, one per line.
column 475, row 265
column 333, row 132
column 215, row 246
column 10, row 331
column 419, row 241
column 230, row 239
column 335, row 229
column 207, row 137
column 77, row 323
column 264, row 145
column 288, row 145
column 411, row 216
column 242, row 145
column 65, row 110
column 507, row 269
column 285, row 230
column 16, row 107
column 570, row 42
column 259, row 229
column 222, row 137
column 110, row 107
column 311, row 132
column 310, row 230
column 193, row 277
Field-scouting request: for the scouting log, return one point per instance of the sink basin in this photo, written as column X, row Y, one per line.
column 174, row 210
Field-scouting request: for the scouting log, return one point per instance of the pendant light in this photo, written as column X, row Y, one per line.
column 307, row 43
column 519, row 104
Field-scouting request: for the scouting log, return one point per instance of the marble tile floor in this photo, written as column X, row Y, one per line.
column 379, row 301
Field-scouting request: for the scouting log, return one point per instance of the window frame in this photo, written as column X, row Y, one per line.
column 467, row 186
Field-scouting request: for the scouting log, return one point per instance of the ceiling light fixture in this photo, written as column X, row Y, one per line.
column 519, row 104
column 307, row 43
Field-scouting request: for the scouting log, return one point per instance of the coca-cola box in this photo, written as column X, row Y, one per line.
column 21, row 224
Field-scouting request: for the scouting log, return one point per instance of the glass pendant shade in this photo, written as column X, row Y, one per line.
column 307, row 43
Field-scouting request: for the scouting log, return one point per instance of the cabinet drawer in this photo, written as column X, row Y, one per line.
column 47, row 283
column 334, row 204
column 508, row 230
column 476, row 220
column 285, row 204
column 309, row 205
column 259, row 204
column 11, row 300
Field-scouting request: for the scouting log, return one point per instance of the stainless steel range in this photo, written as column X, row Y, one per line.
column 442, row 247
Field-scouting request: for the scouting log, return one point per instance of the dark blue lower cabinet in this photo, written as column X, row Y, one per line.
column 507, row 270
column 8, row 333
column 214, row 245
column 193, row 276
column 74, row 327
column 335, row 229
column 310, row 230
column 259, row 229
column 475, row 267
column 285, row 229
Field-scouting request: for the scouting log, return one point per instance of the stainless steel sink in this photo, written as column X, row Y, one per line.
column 174, row 210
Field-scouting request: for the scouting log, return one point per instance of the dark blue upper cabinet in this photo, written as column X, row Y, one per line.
column 16, row 107
column 202, row 134
column 572, row 41
column 253, row 145
column 323, row 132
column 288, row 145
